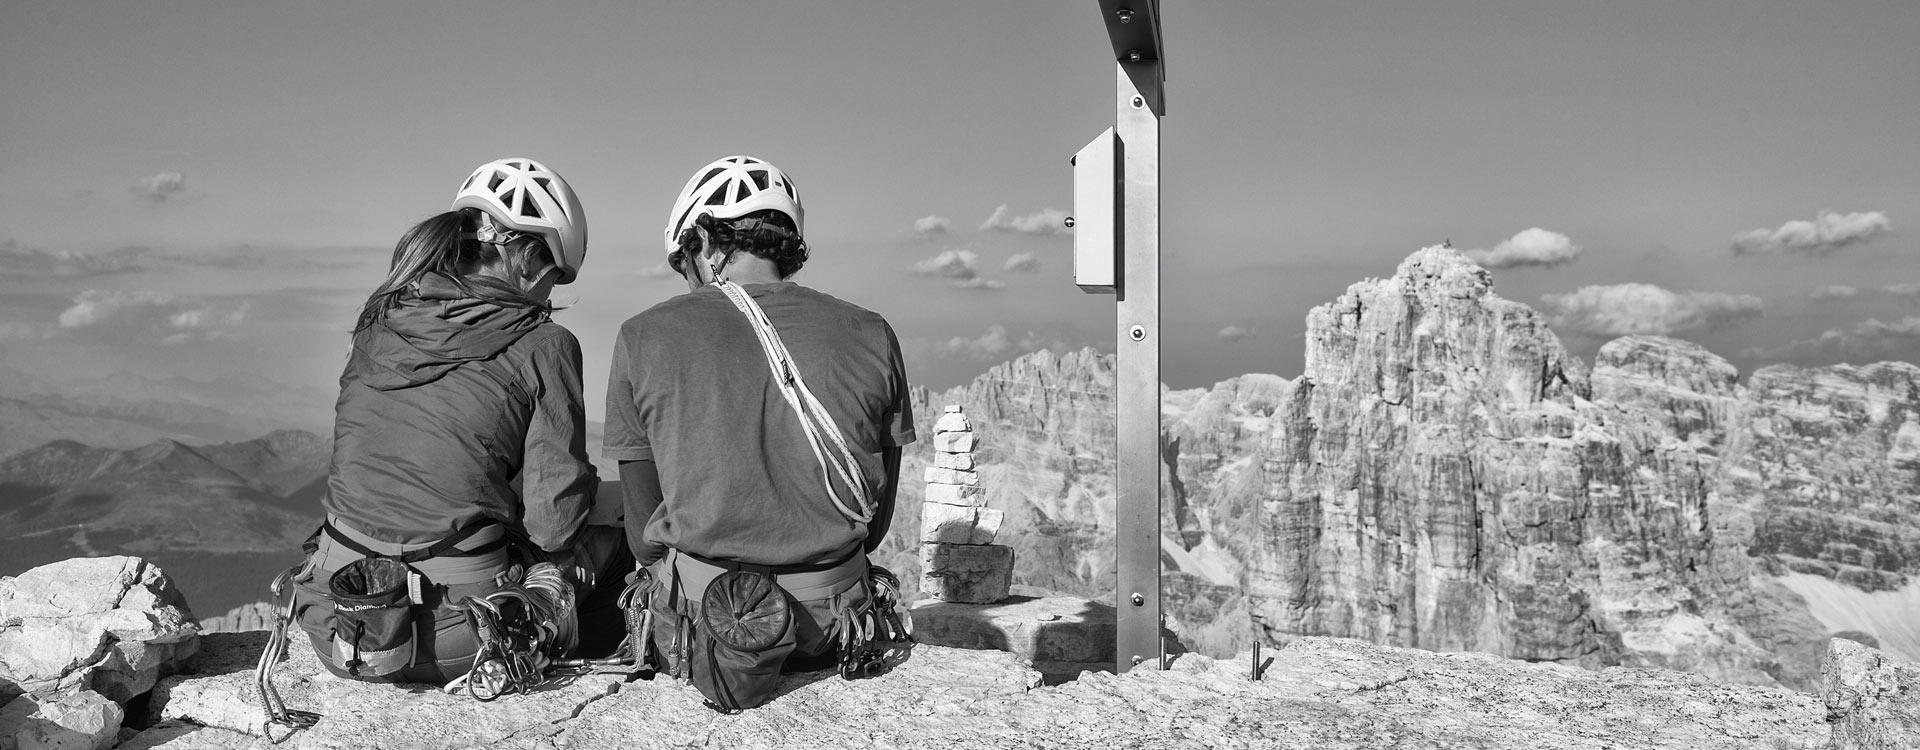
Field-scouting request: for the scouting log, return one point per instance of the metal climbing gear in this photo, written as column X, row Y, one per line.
column 635, row 653
column 276, row 709
column 867, row 632
column 522, row 629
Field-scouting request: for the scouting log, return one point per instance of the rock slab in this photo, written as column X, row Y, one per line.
column 969, row 573
column 1873, row 700
column 1040, row 631
column 1327, row 693
column 78, row 640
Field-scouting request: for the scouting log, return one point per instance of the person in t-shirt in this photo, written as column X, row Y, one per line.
column 726, row 466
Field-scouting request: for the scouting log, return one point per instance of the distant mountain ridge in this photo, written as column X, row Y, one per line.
column 124, row 410
column 218, row 515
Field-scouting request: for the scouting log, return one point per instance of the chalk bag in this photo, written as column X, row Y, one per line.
column 373, row 618
column 743, row 614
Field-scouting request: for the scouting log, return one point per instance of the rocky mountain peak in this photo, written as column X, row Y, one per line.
column 1436, row 326
column 1446, row 475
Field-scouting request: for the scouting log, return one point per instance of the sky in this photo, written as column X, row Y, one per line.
column 207, row 189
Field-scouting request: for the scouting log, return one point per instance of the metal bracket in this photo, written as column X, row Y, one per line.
column 1133, row 28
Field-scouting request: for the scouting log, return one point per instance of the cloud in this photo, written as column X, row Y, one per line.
column 1902, row 290
column 150, row 316
column 18, row 261
column 963, row 266
column 1235, row 333
column 1531, row 247
column 992, row 343
column 1627, row 309
column 160, row 187
column 979, row 282
column 1831, row 292
column 932, row 224
column 955, row 264
column 1022, row 262
column 20, row 331
column 660, row 271
column 1045, row 221
column 1829, row 231
column 997, row 342
column 1871, row 340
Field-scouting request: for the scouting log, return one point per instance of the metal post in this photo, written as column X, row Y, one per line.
column 1137, row 533
column 1133, row 28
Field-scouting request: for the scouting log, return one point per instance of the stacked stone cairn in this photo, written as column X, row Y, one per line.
column 958, row 559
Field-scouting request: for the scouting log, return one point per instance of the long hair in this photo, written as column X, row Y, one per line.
column 436, row 246
column 768, row 234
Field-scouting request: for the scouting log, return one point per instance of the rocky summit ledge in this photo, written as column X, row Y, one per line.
column 1316, row 693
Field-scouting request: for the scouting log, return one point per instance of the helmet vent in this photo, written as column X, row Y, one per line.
column 789, row 188
column 760, row 179
column 740, row 191
column 705, row 178
column 547, row 185
column 719, row 196
column 529, row 207
column 493, row 183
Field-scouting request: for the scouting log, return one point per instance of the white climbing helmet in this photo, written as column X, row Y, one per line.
column 527, row 196
column 731, row 188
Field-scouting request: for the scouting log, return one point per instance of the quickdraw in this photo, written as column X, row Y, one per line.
column 634, row 652
column 521, row 629
column 866, row 634
column 524, row 629
column 276, row 709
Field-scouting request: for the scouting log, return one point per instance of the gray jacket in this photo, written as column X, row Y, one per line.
column 454, row 409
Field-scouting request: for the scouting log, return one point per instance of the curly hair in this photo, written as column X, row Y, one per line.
column 768, row 234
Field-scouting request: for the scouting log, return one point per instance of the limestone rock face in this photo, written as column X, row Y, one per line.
column 72, row 720
column 255, row 616
column 1315, row 693
column 1833, row 453
column 80, row 638
column 1042, row 430
column 1445, row 475
column 971, row 573
column 111, row 624
column 1873, row 700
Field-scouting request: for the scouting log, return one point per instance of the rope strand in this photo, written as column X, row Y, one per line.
column 815, row 421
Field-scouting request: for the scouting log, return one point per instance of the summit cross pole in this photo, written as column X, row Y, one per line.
column 1117, row 251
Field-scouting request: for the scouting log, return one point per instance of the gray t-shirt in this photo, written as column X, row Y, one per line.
column 690, row 391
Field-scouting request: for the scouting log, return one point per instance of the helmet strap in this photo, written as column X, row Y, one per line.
column 714, row 272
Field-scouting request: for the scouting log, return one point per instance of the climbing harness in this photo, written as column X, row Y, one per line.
column 276, row 709
column 818, row 424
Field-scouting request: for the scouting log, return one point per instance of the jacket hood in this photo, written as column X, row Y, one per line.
column 435, row 329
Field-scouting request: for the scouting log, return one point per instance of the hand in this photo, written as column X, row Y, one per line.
column 650, row 553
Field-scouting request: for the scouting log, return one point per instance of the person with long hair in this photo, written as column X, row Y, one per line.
column 459, row 433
